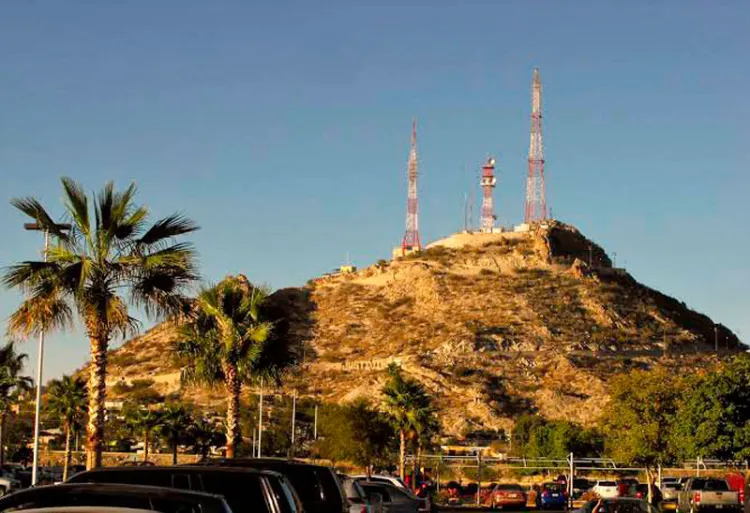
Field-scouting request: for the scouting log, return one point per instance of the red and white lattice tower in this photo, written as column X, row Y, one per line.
column 411, row 241
column 536, row 202
column 488, row 182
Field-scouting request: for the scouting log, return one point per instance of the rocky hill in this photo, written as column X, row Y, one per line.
column 493, row 324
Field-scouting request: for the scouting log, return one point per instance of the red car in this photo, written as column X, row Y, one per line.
column 508, row 496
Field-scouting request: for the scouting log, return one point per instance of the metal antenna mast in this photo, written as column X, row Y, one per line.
column 536, row 201
column 411, row 240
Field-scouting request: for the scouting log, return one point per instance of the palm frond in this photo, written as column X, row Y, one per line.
column 40, row 313
column 77, row 205
column 34, row 209
column 166, row 228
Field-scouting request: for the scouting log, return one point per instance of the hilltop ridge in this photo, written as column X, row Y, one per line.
column 493, row 324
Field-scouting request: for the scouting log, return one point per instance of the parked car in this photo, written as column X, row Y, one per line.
column 508, row 496
column 86, row 509
column 164, row 500
column 606, row 489
column 669, row 491
column 640, row 491
column 8, row 482
column 626, row 486
column 245, row 490
column 552, row 496
column 394, row 499
column 317, row 486
column 618, row 505
column 356, row 496
column 395, row 481
column 705, row 493
column 581, row 486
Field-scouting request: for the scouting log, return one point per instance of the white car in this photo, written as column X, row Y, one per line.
column 395, row 481
column 606, row 489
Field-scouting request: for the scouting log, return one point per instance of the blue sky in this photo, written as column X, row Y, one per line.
column 282, row 128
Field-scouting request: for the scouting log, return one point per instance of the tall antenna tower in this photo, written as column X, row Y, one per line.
column 411, row 240
column 536, row 201
column 488, row 184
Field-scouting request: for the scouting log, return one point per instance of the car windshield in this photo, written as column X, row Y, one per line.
column 672, row 486
column 553, row 487
column 607, row 483
column 509, row 487
column 710, row 485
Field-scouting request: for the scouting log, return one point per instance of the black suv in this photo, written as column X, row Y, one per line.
column 151, row 498
column 245, row 490
column 317, row 486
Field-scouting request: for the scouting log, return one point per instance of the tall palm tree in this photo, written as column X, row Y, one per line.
column 109, row 259
column 144, row 421
column 223, row 343
column 67, row 398
column 408, row 404
column 175, row 423
column 11, row 385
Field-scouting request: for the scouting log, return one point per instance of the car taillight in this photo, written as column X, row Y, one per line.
column 364, row 509
column 545, row 493
column 697, row 497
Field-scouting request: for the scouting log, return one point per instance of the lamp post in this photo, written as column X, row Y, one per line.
column 40, row 354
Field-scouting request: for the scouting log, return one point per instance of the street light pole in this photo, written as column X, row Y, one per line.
column 40, row 356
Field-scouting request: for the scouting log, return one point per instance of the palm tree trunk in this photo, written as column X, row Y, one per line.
column 402, row 454
column 417, row 464
column 233, row 409
column 145, row 445
column 97, row 394
column 2, row 430
column 174, row 451
column 66, row 465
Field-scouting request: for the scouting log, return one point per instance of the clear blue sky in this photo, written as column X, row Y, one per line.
column 283, row 128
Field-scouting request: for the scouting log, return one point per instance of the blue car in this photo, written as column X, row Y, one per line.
column 552, row 496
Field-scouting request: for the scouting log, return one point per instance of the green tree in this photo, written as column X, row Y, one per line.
column 408, row 404
column 355, row 432
column 144, row 421
column 175, row 423
column 11, row 385
column 66, row 400
column 202, row 436
column 223, row 343
column 714, row 416
column 109, row 259
column 639, row 420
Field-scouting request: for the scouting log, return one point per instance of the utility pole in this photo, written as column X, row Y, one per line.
column 40, row 350
column 591, row 255
column 260, row 418
column 315, row 423
column 294, row 415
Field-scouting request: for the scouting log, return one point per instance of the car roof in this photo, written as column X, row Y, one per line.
column 150, row 491
column 86, row 509
column 261, row 462
column 196, row 467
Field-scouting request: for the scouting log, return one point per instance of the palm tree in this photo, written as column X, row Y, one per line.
column 67, row 399
column 144, row 421
column 223, row 343
column 174, row 426
column 108, row 259
column 203, row 435
column 11, row 385
column 408, row 404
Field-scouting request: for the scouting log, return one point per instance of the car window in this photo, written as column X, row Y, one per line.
column 607, row 483
column 509, row 488
column 553, row 487
column 710, row 485
column 284, row 497
column 243, row 492
column 370, row 489
column 307, row 484
column 48, row 500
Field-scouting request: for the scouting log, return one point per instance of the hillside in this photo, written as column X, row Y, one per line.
column 493, row 324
